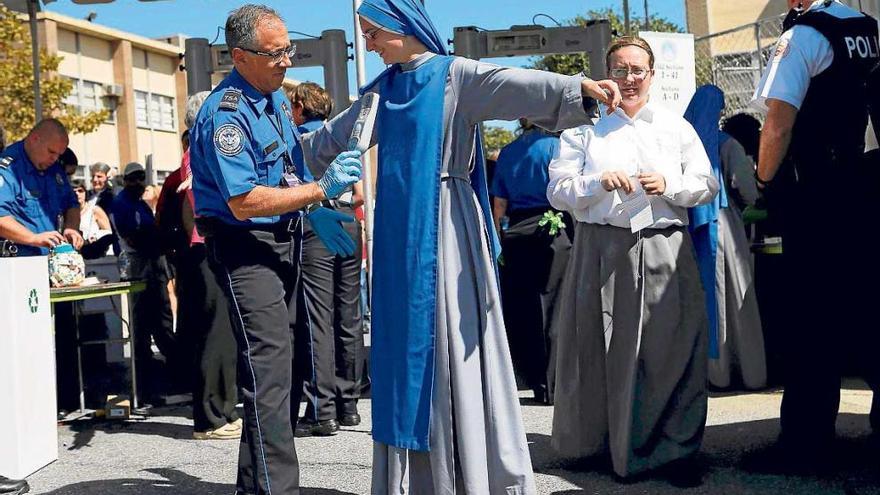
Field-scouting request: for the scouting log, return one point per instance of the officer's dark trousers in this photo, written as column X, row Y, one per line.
column 531, row 274
column 829, row 299
column 258, row 272
column 203, row 314
column 332, row 289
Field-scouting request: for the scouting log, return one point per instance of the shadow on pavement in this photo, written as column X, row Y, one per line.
column 85, row 430
column 727, row 458
column 175, row 482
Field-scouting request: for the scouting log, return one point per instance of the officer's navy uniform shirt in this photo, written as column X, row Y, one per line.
column 829, row 50
column 241, row 139
column 35, row 199
column 521, row 175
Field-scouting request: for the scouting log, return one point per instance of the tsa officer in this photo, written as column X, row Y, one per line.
column 247, row 170
column 811, row 165
column 35, row 192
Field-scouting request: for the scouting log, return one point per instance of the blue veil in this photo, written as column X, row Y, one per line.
column 704, row 112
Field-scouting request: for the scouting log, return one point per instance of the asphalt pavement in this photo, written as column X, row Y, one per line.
column 157, row 456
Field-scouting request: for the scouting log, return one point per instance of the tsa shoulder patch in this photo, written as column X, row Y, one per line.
column 229, row 139
column 230, row 98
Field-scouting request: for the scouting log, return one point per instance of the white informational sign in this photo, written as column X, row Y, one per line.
column 28, row 416
column 675, row 79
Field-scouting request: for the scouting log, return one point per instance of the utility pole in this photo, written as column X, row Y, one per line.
column 647, row 17
column 32, row 7
column 626, row 26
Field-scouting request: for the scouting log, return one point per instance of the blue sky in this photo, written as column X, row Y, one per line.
column 201, row 18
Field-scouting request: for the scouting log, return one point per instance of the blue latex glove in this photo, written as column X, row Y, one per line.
column 327, row 225
column 344, row 172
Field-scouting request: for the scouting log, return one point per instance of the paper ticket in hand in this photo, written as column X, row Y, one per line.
column 637, row 206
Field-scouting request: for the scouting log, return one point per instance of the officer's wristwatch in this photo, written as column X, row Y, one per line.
column 310, row 208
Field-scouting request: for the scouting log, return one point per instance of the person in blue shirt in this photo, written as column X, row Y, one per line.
column 535, row 254
column 35, row 193
column 248, row 185
column 139, row 243
column 331, row 284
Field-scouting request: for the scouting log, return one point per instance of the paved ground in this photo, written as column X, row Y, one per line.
column 156, row 456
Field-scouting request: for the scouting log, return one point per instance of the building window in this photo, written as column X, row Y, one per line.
column 88, row 96
column 154, row 111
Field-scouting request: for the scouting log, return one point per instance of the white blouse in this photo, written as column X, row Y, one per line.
column 656, row 140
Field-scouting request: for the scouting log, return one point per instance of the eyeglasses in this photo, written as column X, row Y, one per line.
column 370, row 34
column 623, row 72
column 277, row 56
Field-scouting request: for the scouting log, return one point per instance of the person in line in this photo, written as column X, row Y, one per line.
column 94, row 224
column 202, row 315
column 445, row 408
column 825, row 49
column 250, row 198
column 69, row 162
column 736, row 339
column 332, row 296
column 35, row 193
column 133, row 220
column 536, row 245
column 102, row 191
column 632, row 327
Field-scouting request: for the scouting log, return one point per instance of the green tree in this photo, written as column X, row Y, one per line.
column 576, row 62
column 495, row 138
column 17, row 80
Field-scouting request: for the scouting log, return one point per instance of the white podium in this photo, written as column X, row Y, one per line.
column 28, row 414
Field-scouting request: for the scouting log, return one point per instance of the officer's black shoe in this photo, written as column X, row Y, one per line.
column 350, row 419
column 13, row 487
column 308, row 428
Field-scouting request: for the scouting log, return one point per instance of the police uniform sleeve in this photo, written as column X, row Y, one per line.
column 7, row 192
column 498, row 187
column 801, row 53
column 229, row 155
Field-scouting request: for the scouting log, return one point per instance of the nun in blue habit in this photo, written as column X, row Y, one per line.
column 446, row 417
column 736, row 338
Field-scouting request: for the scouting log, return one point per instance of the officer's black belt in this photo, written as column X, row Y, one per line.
column 209, row 226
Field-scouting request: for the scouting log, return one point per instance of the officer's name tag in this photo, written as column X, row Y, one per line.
column 272, row 147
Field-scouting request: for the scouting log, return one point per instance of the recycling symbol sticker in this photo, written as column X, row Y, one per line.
column 33, row 301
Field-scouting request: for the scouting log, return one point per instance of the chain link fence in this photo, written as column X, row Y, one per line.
column 734, row 60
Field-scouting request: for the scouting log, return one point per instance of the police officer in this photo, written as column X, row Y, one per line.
column 810, row 164
column 331, row 286
column 35, row 192
column 534, row 259
column 247, row 170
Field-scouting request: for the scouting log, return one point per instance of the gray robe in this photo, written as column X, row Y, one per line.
column 741, row 355
column 478, row 444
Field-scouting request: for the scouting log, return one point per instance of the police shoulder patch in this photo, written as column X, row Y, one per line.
column 58, row 179
column 229, row 139
column 230, row 99
column 6, row 161
column 782, row 48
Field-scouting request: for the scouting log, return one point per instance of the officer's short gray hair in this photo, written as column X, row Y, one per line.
column 99, row 167
column 241, row 25
column 193, row 104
